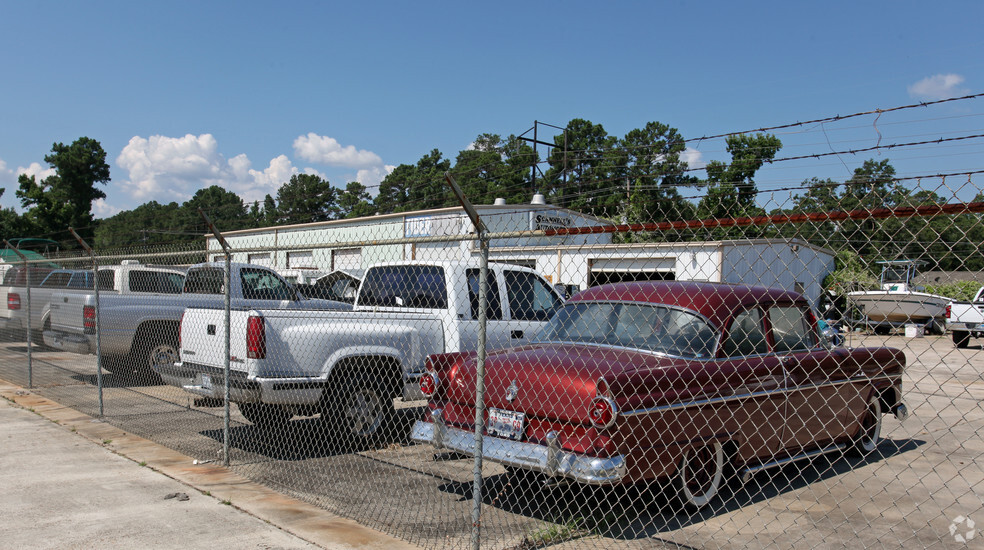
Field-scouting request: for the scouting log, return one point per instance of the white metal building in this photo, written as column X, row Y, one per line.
column 578, row 261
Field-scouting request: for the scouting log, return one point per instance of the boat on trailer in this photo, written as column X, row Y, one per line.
column 898, row 302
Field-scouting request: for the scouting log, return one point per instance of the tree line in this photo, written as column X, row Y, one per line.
column 635, row 178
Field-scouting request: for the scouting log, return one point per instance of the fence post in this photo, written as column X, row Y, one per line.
column 228, row 351
column 483, row 278
column 95, row 287
column 27, row 284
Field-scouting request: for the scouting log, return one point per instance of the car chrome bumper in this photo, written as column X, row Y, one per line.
column 548, row 459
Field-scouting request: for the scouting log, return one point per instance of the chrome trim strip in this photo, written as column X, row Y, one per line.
column 753, row 395
column 747, row 473
column 548, row 459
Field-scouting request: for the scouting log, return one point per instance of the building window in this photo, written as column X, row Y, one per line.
column 300, row 258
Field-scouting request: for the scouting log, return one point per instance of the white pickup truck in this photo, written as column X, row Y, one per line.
column 139, row 330
column 128, row 278
column 350, row 366
column 966, row 319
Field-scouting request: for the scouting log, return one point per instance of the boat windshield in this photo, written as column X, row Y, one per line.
column 896, row 273
column 643, row 326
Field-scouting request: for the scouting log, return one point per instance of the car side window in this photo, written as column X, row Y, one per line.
column 260, row 284
column 530, row 299
column 790, row 329
column 746, row 335
column 493, row 309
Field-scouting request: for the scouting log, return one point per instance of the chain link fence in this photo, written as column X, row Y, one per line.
column 810, row 377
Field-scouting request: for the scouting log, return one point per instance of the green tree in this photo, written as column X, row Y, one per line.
column 12, row 224
column 653, row 170
column 820, row 197
column 580, row 178
column 731, row 187
column 872, row 186
column 354, row 201
column 65, row 198
column 148, row 223
column 306, row 198
column 428, row 188
column 224, row 208
column 394, row 190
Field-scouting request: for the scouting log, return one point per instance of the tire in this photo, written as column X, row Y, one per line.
column 360, row 412
column 162, row 352
column 883, row 330
column 960, row 338
column 700, row 475
column 866, row 440
column 264, row 415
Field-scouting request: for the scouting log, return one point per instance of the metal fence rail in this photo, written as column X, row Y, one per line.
column 712, row 383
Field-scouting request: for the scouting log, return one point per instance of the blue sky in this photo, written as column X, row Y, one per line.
column 183, row 95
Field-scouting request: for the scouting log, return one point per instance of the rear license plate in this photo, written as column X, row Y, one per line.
column 206, row 381
column 507, row 424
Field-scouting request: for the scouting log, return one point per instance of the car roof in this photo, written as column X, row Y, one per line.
column 715, row 301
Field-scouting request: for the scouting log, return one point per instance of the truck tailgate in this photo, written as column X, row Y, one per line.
column 203, row 338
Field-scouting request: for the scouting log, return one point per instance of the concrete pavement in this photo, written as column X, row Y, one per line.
column 70, row 481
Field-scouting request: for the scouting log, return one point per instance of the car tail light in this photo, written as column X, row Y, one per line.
column 602, row 412
column 255, row 338
column 89, row 319
column 13, row 301
column 948, row 306
column 180, row 325
column 429, row 384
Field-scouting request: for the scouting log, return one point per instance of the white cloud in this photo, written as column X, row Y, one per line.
column 693, row 158
column 101, row 209
column 172, row 169
column 941, row 86
column 370, row 177
column 35, row 169
column 326, row 150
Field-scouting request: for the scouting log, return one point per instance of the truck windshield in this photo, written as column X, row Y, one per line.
column 409, row 286
column 647, row 327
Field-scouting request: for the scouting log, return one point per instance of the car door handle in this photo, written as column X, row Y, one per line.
column 516, row 334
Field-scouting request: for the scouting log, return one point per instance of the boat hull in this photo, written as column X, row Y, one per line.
column 899, row 307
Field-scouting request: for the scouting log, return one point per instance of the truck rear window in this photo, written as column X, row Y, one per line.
column 409, row 286
column 161, row 282
column 17, row 276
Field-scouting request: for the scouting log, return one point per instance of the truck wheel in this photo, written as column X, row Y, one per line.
column 264, row 415
column 360, row 411
column 960, row 338
column 155, row 352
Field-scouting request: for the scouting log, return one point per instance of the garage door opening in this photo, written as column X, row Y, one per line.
column 604, row 271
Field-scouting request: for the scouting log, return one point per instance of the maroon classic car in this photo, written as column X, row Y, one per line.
column 661, row 381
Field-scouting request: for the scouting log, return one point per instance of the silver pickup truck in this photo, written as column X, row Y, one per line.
column 129, row 278
column 350, row 366
column 138, row 331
